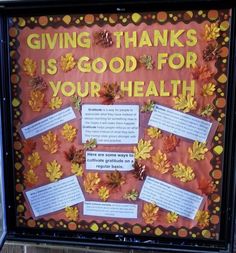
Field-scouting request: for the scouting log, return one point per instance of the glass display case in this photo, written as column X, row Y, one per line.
column 118, row 124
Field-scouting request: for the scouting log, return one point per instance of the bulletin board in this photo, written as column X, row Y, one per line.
column 119, row 121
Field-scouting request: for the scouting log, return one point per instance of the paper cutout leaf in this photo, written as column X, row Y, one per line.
column 103, row 38
column 211, row 32
column 206, row 186
column 77, row 102
column 72, row 213
column 142, row 151
column 115, row 179
column 77, row 169
column 34, row 160
column 110, row 92
column 50, row 142
column 202, row 73
column 131, row 195
column 91, row 182
column 183, row 173
column 154, row 132
column 208, row 89
column 147, row 61
column 29, row 66
column 55, row 103
column 170, row 143
column 79, row 157
column 198, row 150
column 53, row 171
column 36, row 101
column 70, row 154
column 172, row 217
column 67, row 62
column 148, row 106
column 185, row 103
column 31, row 177
column 103, row 193
column 150, row 213
column 207, row 110
column 90, row 144
column 69, row 132
column 211, row 52
column 161, row 163
column 202, row 218
column 139, row 171
column 38, row 83
column 29, row 146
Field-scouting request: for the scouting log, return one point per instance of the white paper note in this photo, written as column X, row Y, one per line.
column 110, row 209
column 49, row 122
column 109, row 161
column 180, row 123
column 110, row 124
column 55, row 196
column 170, row 197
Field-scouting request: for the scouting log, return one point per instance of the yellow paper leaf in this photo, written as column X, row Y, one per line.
column 91, row 181
column 198, row 150
column 72, row 213
column 103, row 193
column 172, row 217
column 50, row 142
column 29, row 67
column 34, row 160
column 208, row 89
column 53, row 171
column 69, row 132
column 202, row 218
column 31, row 177
column 36, row 101
column 161, row 163
column 185, row 103
column 150, row 213
column 55, row 103
column 77, row 169
column 142, row 151
column 183, row 173
column 212, row 32
column 67, row 62
column 154, row 132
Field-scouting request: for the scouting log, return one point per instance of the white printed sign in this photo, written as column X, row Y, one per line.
column 109, row 161
column 170, row 197
column 55, row 196
column 49, row 122
column 180, row 123
column 110, row 124
column 110, row 209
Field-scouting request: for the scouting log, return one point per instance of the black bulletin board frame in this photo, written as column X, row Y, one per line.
column 27, row 8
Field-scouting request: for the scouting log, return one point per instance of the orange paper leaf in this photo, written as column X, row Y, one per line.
column 150, row 213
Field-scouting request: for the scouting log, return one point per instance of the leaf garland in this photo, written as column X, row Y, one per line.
column 34, row 160
column 91, row 182
column 198, row 150
column 50, row 142
column 150, row 213
column 69, row 132
column 161, row 163
column 54, row 172
column 142, row 151
column 185, row 103
column 72, row 213
column 154, row 132
column 103, row 193
column 183, row 173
